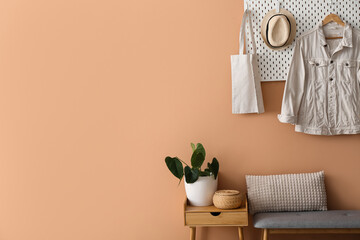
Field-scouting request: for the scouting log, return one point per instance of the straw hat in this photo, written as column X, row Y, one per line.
column 278, row 29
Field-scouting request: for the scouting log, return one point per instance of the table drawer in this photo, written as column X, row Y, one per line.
column 216, row 218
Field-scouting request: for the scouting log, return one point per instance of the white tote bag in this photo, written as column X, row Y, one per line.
column 246, row 87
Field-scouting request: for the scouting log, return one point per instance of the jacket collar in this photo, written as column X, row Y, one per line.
column 347, row 36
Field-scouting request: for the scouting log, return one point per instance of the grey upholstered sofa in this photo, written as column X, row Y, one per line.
column 296, row 203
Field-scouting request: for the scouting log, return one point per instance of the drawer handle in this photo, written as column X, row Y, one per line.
column 215, row 213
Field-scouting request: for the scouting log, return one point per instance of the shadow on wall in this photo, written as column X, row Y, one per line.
column 271, row 91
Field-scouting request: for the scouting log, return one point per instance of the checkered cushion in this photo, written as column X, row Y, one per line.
column 286, row 193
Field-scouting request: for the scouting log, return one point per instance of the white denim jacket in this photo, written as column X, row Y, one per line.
column 322, row 94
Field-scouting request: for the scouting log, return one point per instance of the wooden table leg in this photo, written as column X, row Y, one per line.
column 241, row 234
column 192, row 233
column 265, row 235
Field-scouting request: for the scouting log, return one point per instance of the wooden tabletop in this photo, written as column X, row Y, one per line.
column 189, row 209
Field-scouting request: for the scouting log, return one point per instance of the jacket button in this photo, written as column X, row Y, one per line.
column 331, row 61
column 317, row 64
column 346, row 64
column 331, row 79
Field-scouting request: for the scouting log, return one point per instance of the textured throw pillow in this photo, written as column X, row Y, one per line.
column 286, row 192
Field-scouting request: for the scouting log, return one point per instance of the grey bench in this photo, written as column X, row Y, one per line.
column 334, row 221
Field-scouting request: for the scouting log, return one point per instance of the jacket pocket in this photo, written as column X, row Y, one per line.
column 349, row 70
column 319, row 69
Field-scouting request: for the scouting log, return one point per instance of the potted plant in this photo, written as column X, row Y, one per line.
column 200, row 185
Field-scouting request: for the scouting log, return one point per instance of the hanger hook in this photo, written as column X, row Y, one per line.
column 331, row 2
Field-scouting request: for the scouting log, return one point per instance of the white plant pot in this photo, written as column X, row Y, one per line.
column 201, row 192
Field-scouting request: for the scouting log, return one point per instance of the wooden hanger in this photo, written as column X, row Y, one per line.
column 333, row 18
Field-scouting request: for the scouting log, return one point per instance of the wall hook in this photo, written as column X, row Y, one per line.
column 278, row 6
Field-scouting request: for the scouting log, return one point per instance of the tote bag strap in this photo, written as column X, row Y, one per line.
column 246, row 16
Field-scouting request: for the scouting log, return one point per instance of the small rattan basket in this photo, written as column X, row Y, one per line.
column 227, row 199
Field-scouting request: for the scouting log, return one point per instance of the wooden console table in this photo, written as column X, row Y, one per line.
column 214, row 217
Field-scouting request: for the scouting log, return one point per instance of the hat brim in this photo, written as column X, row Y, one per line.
column 292, row 34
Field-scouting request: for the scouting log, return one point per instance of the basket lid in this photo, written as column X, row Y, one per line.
column 227, row 192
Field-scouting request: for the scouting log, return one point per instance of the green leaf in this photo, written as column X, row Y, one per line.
column 191, row 175
column 193, row 146
column 200, row 148
column 197, row 159
column 205, row 173
column 214, row 167
column 175, row 167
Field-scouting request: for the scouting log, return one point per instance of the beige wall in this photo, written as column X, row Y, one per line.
column 94, row 95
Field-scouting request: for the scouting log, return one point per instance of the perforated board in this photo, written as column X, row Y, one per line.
column 308, row 14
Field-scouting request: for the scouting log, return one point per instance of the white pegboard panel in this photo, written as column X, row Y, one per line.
column 308, row 13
